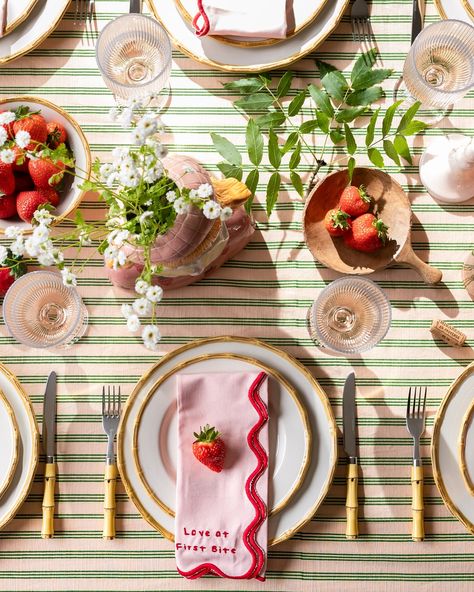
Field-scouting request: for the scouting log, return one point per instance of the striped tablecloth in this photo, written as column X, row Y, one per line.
column 264, row 292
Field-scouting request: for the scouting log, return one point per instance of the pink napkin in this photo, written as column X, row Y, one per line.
column 243, row 18
column 221, row 518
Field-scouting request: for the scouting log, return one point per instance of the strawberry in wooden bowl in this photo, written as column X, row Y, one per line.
column 41, row 146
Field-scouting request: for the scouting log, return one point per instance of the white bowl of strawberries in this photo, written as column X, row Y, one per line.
column 42, row 148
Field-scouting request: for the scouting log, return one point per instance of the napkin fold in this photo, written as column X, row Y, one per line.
column 242, row 18
column 221, row 518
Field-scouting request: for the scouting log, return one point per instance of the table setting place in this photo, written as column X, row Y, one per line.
column 237, row 284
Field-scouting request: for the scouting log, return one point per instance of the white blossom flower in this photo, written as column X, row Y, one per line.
column 126, row 117
column 3, row 254
column 7, row 155
column 126, row 165
column 119, row 152
column 7, row 117
column 22, row 138
column 226, row 213
column 138, row 137
column 131, row 179
column 205, row 190
column 31, row 247
column 113, row 178
column 40, row 234
column 135, row 103
column 211, row 210
column 106, row 170
column 180, row 205
column 18, row 247
column 126, row 310
column 151, row 345
column 189, row 169
column 118, row 237
column 114, row 114
column 3, row 136
column 45, row 259
column 194, row 195
column 13, row 232
column 84, row 239
column 58, row 256
column 142, row 307
column 141, row 286
column 110, row 253
column 69, row 279
column 144, row 216
column 133, row 323
column 151, row 335
column 147, row 126
column 154, row 294
column 171, row 196
column 43, row 217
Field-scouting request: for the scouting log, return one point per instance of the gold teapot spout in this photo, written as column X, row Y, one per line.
column 230, row 192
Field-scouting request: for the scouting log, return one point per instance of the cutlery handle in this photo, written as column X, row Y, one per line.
column 352, row 503
column 47, row 529
column 110, row 480
column 417, row 506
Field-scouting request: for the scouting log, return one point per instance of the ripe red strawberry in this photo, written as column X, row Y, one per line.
column 42, row 169
column 8, row 127
column 337, row 222
column 209, row 448
column 19, row 157
column 355, row 201
column 7, row 206
column 35, row 125
column 7, row 180
column 56, row 134
column 9, row 274
column 367, row 234
column 27, row 202
column 23, row 183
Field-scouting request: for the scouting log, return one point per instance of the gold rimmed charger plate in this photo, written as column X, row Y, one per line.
column 468, row 8
column 19, row 18
column 315, row 487
column 251, row 361
column 11, row 432
column 447, row 470
column 229, row 40
column 468, row 417
column 246, row 59
column 455, row 9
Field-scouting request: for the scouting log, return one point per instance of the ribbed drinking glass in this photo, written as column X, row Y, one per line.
column 350, row 316
column 439, row 68
column 133, row 53
column 40, row 311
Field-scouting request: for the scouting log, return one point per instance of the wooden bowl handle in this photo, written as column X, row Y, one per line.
column 430, row 275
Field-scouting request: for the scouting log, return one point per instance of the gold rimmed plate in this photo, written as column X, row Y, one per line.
column 462, row 10
column 155, row 431
column 9, row 438
column 466, row 448
column 451, row 428
column 315, row 484
column 300, row 14
column 17, row 12
column 231, row 58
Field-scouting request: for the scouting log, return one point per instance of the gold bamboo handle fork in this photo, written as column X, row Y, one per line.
column 415, row 415
column 110, row 422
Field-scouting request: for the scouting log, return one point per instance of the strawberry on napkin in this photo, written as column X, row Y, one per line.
column 222, row 475
column 245, row 18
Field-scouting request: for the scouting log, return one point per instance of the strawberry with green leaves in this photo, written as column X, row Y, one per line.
column 209, row 448
column 355, row 201
column 7, row 179
column 11, row 269
column 56, row 134
column 337, row 222
column 46, row 173
column 368, row 234
column 33, row 123
column 27, row 202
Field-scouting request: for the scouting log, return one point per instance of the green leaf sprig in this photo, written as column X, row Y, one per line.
column 335, row 106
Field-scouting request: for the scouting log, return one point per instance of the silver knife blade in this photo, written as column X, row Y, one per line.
column 49, row 418
column 417, row 18
column 349, row 416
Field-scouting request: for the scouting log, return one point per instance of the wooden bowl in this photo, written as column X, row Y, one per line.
column 392, row 206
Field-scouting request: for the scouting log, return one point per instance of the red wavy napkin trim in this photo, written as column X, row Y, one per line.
column 201, row 30
column 250, row 533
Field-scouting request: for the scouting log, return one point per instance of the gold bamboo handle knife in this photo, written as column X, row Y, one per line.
column 49, row 446
column 350, row 447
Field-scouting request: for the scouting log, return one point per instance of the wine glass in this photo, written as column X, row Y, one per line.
column 350, row 316
column 133, row 53
column 40, row 311
column 439, row 68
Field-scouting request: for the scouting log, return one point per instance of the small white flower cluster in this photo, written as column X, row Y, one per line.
column 22, row 139
column 142, row 307
column 39, row 245
column 129, row 168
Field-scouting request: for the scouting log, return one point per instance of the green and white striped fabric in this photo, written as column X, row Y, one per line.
column 264, row 292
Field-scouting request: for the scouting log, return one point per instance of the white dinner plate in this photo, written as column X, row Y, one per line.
column 28, row 446
column 462, row 10
column 231, row 58
column 17, row 12
column 156, row 432
column 466, row 447
column 302, row 14
column 318, row 478
column 9, row 439
column 445, row 446
column 41, row 22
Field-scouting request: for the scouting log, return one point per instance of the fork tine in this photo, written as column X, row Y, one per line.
column 419, row 402
column 424, row 401
column 408, row 402
column 119, row 397
column 415, row 392
column 103, row 400
column 109, row 399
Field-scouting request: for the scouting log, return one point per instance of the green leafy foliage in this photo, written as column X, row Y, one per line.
column 278, row 134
